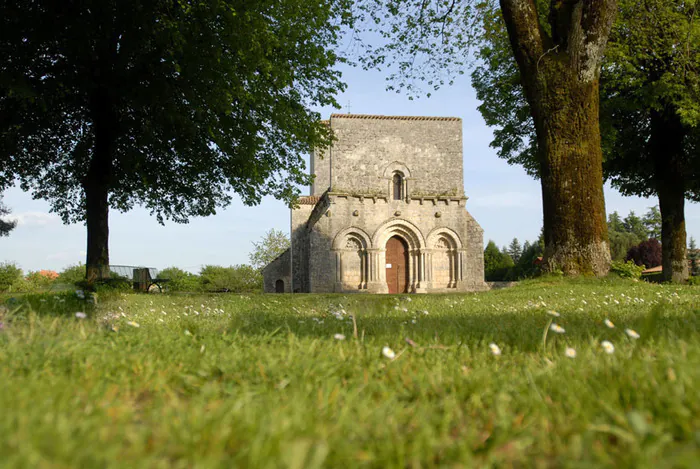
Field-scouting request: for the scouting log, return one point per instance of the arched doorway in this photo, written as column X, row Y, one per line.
column 279, row 286
column 397, row 265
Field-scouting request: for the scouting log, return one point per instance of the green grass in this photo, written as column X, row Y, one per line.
column 259, row 381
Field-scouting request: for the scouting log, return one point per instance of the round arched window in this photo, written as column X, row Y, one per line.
column 398, row 186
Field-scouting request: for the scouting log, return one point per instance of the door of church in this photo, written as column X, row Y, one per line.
column 397, row 265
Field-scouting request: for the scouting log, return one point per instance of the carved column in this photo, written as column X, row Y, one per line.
column 338, row 271
column 376, row 282
column 461, row 265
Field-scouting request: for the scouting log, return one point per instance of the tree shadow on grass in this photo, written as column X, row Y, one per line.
column 521, row 331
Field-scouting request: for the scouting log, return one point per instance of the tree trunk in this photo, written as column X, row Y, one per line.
column 559, row 70
column 667, row 135
column 97, row 186
column 571, row 169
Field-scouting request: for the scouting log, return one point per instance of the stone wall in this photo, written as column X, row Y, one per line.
column 426, row 150
column 339, row 234
column 360, row 221
column 278, row 269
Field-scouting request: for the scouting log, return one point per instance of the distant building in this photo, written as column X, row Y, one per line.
column 386, row 213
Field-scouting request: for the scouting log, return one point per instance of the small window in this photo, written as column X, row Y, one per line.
column 398, row 186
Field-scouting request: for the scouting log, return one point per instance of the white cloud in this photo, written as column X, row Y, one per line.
column 506, row 200
column 35, row 218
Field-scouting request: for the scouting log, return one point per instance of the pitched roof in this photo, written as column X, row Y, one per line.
column 401, row 118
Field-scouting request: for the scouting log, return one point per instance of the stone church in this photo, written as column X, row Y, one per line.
column 386, row 213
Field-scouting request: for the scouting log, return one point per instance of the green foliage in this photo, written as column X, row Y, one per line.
column 694, row 258
column 497, row 263
column 634, row 225
column 268, row 248
column 626, row 269
column 72, row 275
column 5, row 225
column 652, row 223
column 627, row 233
column 267, row 385
column 39, row 281
column 238, row 279
column 10, row 275
column 180, row 280
column 174, row 106
column 527, row 267
column 515, row 250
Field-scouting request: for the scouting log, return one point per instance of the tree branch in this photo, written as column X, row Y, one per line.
column 594, row 23
column 524, row 32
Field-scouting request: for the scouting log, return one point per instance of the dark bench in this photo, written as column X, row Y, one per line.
column 142, row 278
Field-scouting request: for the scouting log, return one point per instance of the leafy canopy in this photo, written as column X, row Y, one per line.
column 652, row 61
column 207, row 98
column 6, row 225
column 273, row 243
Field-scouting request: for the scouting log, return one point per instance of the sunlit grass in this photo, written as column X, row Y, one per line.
column 355, row 380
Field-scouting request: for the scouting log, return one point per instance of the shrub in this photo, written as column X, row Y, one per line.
column 41, row 279
column 10, row 275
column 646, row 253
column 180, row 280
column 238, row 279
column 74, row 275
column 626, row 269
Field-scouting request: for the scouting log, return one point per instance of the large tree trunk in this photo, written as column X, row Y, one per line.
column 97, row 186
column 667, row 135
column 560, row 73
column 571, row 169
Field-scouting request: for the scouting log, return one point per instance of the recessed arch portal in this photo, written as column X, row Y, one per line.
column 444, row 246
column 350, row 247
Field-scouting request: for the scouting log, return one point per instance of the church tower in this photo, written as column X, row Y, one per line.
column 386, row 213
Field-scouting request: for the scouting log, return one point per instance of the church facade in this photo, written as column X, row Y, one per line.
column 386, row 213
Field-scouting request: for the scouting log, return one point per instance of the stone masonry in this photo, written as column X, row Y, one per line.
column 384, row 177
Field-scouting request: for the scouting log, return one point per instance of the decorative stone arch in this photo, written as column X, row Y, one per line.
column 415, row 243
column 397, row 171
column 402, row 228
column 355, row 232
column 446, row 233
column 394, row 167
column 444, row 258
column 350, row 246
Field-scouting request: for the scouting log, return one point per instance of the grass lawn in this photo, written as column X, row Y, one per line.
column 260, row 381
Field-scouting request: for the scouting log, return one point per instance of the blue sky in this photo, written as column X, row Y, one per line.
column 502, row 198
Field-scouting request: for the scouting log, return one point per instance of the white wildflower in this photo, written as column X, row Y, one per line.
column 557, row 328
column 495, row 349
column 570, row 352
column 426, row 313
column 632, row 333
column 609, row 323
column 133, row 324
column 553, row 313
column 187, row 332
column 339, row 337
column 80, row 315
column 608, row 346
column 388, row 353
